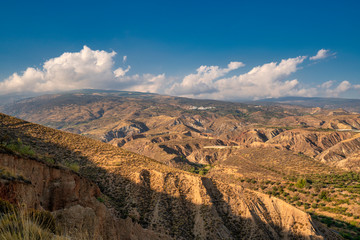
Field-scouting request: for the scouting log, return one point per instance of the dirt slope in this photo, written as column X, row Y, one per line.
column 72, row 199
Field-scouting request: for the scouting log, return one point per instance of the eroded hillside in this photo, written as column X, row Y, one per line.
column 265, row 148
column 74, row 201
column 181, row 132
column 160, row 198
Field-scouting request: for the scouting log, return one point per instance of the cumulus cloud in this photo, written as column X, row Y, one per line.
column 146, row 83
column 327, row 85
column 321, row 54
column 267, row 80
column 260, row 82
column 96, row 69
column 121, row 72
column 203, row 80
column 270, row 80
column 85, row 69
column 328, row 89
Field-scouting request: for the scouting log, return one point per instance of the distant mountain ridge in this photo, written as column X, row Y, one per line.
column 13, row 98
column 352, row 105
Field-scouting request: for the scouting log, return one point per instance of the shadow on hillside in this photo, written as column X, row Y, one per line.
column 168, row 209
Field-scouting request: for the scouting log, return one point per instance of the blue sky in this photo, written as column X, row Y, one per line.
column 166, row 42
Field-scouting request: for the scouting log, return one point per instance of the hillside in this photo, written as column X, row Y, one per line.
column 74, row 202
column 181, row 131
column 268, row 149
column 160, row 198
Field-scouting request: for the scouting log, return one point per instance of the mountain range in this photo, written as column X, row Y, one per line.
column 352, row 105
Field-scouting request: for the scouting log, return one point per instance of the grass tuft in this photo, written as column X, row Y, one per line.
column 18, row 223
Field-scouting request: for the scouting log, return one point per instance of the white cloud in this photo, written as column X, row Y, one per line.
column 203, row 80
column 321, row 54
column 343, row 87
column 96, row 69
column 327, row 85
column 146, row 83
column 121, row 72
column 327, row 90
column 260, row 82
column 85, row 69
column 269, row 80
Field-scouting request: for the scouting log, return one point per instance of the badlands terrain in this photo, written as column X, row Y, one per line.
column 170, row 167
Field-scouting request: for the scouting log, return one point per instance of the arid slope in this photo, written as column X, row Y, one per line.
column 164, row 199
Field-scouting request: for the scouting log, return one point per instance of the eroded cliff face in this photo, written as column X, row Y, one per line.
column 166, row 205
column 344, row 154
column 328, row 138
column 335, row 148
column 187, row 206
column 257, row 135
column 308, row 142
column 72, row 199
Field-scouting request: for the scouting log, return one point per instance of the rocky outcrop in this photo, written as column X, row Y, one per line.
column 74, row 201
column 310, row 143
column 175, row 149
column 257, row 135
column 344, row 122
column 128, row 130
column 341, row 153
column 187, row 206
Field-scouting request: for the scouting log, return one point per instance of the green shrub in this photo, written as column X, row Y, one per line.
column 73, row 166
column 346, row 235
column 324, row 195
column 327, row 220
column 21, row 149
column 193, row 170
column 202, row 172
column 50, row 160
column 302, row 183
column 296, row 197
column 285, row 194
column 292, row 189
